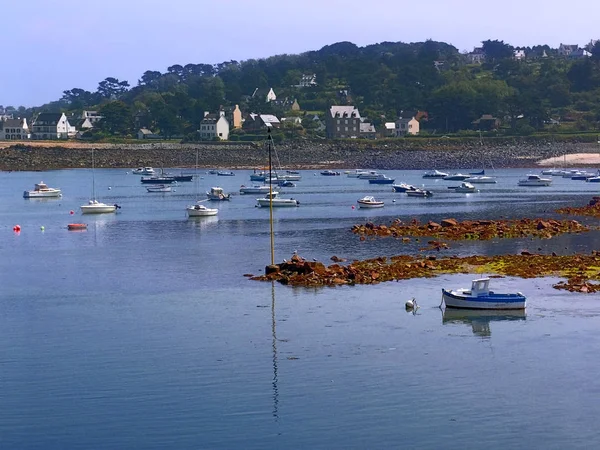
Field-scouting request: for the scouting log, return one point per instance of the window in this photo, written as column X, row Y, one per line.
column 346, row 121
column 346, row 129
column 338, row 128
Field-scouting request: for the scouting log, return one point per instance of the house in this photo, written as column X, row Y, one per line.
column 92, row 116
column 307, row 81
column 580, row 53
column 14, row 129
column 407, row 124
column 486, row 123
column 291, row 120
column 477, row 56
column 267, row 93
column 234, row 116
column 567, row 49
column 50, row 126
column 295, row 106
column 519, row 55
column 389, row 129
column 342, row 122
column 320, row 126
column 214, row 126
column 367, row 130
column 145, row 133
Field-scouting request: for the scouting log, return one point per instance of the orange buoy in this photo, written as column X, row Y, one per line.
column 77, row 226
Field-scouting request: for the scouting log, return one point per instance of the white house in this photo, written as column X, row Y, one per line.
column 519, row 55
column 267, row 93
column 50, row 126
column 214, row 126
column 307, row 81
column 92, row 116
column 11, row 129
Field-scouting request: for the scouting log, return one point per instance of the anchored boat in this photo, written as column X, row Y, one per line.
column 480, row 297
column 41, row 190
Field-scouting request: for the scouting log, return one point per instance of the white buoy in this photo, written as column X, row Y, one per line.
column 109, row 188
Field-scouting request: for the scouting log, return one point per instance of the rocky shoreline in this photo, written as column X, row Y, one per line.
column 383, row 155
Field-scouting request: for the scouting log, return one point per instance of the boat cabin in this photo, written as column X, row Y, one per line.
column 480, row 286
column 41, row 186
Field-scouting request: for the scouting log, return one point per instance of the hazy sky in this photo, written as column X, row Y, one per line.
column 50, row 46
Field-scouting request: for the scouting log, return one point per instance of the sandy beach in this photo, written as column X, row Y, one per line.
column 573, row 159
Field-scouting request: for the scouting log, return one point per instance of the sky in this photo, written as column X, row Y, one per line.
column 60, row 45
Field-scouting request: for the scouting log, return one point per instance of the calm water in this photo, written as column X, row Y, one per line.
column 141, row 332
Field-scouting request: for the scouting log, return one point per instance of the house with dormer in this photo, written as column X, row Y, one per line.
column 14, row 129
column 50, row 126
column 567, row 49
column 342, row 122
column 307, row 81
column 477, row 56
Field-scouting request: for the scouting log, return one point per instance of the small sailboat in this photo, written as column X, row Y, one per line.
column 159, row 188
column 94, row 206
column 198, row 209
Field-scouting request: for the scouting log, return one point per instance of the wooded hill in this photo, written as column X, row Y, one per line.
column 381, row 79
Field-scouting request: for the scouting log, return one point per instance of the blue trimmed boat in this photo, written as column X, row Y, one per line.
column 480, row 297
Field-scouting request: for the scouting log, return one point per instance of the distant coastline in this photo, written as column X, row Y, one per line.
column 296, row 154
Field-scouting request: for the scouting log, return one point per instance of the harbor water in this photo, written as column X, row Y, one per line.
column 143, row 332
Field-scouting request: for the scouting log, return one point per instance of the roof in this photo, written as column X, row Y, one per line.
column 48, row 117
column 11, row 123
column 344, row 111
column 269, row 118
column 145, row 131
column 390, row 125
column 367, row 127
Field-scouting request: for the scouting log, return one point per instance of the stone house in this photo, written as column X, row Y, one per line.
column 14, row 129
column 567, row 49
column 342, row 122
column 145, row 133
column 477, row 56
column 486, row 122
column 367, row 131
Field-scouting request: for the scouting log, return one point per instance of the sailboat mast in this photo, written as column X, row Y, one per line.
column 270, row 142
column 93, row 177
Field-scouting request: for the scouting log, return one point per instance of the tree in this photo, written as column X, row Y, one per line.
column 497, row 50
column 116, row 118
column 150, row 78
column 595, row 51
column 78, row 98
column 111, row 88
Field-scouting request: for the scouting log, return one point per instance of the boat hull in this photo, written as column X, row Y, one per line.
column 98, row 209
column 158, row 180
column 35, row 194
column 403, row 188
column 481, row 180
column 254, row 190
column 382, row 181
column 277, row 202
column 370, row 205
column 191, row 212
column 454, row 299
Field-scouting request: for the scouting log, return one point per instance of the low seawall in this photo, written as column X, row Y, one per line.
column 298, row 154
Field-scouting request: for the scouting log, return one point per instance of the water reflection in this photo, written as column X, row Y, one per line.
column 480, row 319
column 203, row 222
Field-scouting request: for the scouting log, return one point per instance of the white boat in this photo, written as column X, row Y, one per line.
column 419, row 193
column 370, row 175
column 217, row 194
column 199, row 210
column 456, row 177
column 356, row 173
column 159, row 188
column 403, row 187
column 435, row 174
column 276, row 201
column 254, row 189
column 480, row 297
column 553, row 172
column 94, row 206
column 289, row 177
column 369, row 202
column 41, row 190
column 595, row 179
column 465, row 187
column 481, row 179
column 535, row 180
column 143, row 171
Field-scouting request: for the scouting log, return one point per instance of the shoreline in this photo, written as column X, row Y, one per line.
column 306, row 155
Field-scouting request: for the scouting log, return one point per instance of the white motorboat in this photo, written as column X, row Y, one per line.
column 464, row 187
column 199, row 210
column 419, row 193
column 96, row 207
column 595, row 179
column 41, row 190
column 356, row 173
column 369, row 202
column 289, row 177
column 481, row 179
column 254, row 189
column 456, row 177
column 553, row 172
column 159, row 188
column 535, row 180
column 403, row 187
column 370, row 175
column 277, row 202
column 435, row 174
column 144, row 171
column 217, row 194
column 480, row 297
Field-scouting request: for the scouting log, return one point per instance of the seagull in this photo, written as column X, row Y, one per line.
column 411, row 304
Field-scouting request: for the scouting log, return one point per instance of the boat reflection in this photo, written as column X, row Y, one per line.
column 203, row 222
column 480, row 319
